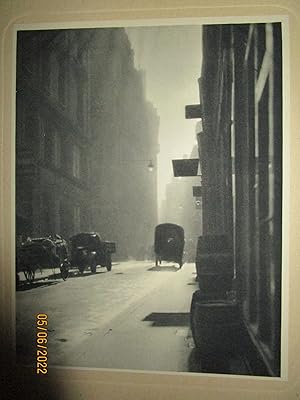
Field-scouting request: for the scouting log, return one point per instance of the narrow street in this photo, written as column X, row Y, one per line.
column 135, row 317
column 102, row 168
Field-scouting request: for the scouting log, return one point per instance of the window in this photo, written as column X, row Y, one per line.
column 62, row 83
column 76, row 219
column 73, row 95
column 76, row 162
column 48, row 140
column 57, row 150
column 54, row 75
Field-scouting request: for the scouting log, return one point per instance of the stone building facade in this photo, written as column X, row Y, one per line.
column 241, row 161
column 82, row 126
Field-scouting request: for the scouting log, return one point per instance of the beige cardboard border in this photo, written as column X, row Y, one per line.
column 86, row 384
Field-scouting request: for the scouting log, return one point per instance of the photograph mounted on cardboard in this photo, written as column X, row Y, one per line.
column 120, row 262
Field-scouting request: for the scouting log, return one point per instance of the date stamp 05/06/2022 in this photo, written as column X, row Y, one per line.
column 41, row 344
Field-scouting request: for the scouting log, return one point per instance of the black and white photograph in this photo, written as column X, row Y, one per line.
column 149, row 166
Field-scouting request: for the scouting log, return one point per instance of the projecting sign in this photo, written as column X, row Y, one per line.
column 193, row 111
column 186, row 167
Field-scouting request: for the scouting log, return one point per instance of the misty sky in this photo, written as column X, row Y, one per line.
column 171, row 57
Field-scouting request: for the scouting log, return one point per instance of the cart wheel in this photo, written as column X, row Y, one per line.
column 81, row 270
column 93, row 267
column 108, row 266
column 29, row 275
column 64, row 270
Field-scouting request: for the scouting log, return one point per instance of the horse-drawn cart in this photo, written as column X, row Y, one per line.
column 169, row 243
column 42, row 253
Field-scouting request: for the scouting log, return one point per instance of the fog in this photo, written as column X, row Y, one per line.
column 93, row 107
column 171, row 59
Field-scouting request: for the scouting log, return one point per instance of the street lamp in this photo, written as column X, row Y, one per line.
column 150, row 166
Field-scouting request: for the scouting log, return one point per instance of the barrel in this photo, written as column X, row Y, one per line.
column 216, row 325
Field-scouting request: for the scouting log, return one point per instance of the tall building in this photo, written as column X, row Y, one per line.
column 125, row 133
column 52, row 181
column 85, row 134
column 241, row 161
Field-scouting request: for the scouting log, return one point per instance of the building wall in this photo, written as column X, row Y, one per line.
column 242, row 171
column 124, row 192
column 51, row 136
column 85, row 134
column 258, row 187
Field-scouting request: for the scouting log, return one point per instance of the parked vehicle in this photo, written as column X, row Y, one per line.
column 40, row 253
column 169, row 243
column 88, row 250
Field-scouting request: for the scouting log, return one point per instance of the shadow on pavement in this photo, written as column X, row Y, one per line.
column 53, row 279
column 77, row 274
column 23, row 285
column 167, row 268
column 169, row 319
